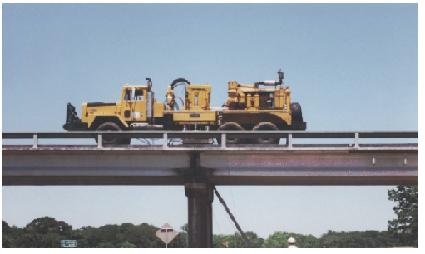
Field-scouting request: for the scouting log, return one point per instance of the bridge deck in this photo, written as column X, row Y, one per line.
column 291, row 164
column 210, row 147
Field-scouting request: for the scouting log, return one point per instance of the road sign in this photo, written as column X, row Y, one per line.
column 69, row 243
column 166, row 233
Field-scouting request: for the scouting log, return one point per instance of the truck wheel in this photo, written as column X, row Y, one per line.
column 111, row 126
column 230, row 126
column 266, row 126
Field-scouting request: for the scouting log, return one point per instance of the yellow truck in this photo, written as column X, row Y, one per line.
column 264, row 105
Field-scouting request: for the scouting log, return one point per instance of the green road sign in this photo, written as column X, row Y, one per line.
column 69, row 243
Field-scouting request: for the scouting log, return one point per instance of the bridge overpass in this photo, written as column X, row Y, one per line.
column 306, row 158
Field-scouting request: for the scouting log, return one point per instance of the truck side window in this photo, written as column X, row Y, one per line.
column 139, row 95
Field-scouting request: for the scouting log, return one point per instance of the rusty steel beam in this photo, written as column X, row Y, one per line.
column 321, row 166
column 326, row 167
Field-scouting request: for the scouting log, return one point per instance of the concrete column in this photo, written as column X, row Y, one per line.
column 200, row 197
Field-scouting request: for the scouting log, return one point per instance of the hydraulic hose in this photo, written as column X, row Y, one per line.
column 177, row 81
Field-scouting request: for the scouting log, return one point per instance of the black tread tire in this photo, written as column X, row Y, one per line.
column 230, row 126
column 266, row 126
column 112, row 126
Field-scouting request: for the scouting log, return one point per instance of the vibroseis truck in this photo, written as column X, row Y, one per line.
column 263, row 105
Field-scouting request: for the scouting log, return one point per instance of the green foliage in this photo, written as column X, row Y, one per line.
column 280, row 240
column 126, row 235
column 405, row 226
column 181, row 241
column 253, row 240
column 47, row 232
column 237, row 241
column 357, row 239
column 223, row 241
column 40, row 233
column 7, row 239
column 47, row 225
column 127, row 244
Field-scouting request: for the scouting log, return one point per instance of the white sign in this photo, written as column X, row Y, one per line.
column 69, row 243
column 166, row 233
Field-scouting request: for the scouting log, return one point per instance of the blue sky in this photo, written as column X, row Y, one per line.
column 351, row 66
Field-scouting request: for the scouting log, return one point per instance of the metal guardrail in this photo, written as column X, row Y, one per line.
column 290, row 136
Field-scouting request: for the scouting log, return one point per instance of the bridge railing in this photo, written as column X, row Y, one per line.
column 220, row 138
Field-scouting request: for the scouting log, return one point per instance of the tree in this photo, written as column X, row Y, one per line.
column 47, row 232
column 6, row 233
column 124, row 235
column 253, row 240
column 280, row 240
column 405, row 226
column 181, row 240
column 277, row 240
column 223, row 241
column 43, row 232
column 127, row 244
column 357, row 239
column 46, row 225
column 237, row 241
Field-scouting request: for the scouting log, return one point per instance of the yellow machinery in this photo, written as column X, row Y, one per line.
column 262, row 105
column 196, row 113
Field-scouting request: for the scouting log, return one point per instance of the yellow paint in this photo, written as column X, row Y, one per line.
column 198, row 97
column 199, row 117
column 158, row 109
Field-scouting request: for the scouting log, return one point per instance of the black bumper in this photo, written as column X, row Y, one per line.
column 297, row 117
column 73, row 122
column 299, row 126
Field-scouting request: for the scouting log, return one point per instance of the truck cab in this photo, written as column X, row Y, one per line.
column 136, row 108
column 134, row 103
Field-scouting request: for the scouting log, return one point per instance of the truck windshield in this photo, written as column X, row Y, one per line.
column 127, row 95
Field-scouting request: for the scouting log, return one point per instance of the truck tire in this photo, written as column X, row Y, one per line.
column 111, row 126
column 266, row 126
column 230, row 126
